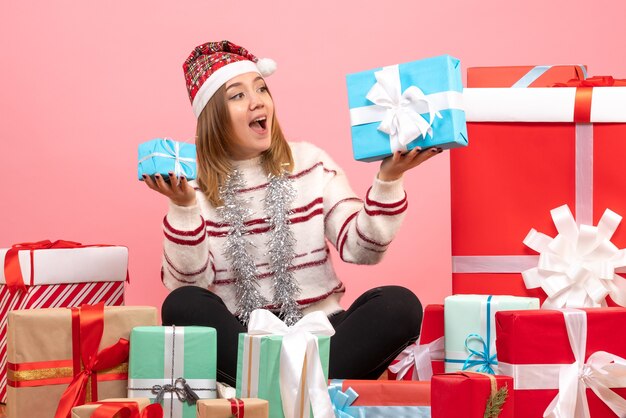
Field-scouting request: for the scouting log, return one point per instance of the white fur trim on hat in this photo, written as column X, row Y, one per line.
column 217, row 80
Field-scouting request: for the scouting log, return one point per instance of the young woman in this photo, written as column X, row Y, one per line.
column 253, row 230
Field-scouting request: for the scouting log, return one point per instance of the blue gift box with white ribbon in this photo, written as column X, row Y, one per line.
column 163, row 155
column 400, row 107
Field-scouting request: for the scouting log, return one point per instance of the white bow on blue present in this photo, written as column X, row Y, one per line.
column 400, row 113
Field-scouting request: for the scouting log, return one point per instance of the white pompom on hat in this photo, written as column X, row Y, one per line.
column 212, row 64
column 266, row 66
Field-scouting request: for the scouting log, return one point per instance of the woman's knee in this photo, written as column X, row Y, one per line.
column 186, row 301
column 403, row 306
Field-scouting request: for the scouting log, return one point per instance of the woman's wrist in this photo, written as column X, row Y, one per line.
column 383, row 176
column 184, row 204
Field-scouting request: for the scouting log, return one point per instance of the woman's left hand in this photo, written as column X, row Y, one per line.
column 392, row 168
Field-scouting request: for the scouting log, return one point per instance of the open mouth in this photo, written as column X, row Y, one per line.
column 259, row 125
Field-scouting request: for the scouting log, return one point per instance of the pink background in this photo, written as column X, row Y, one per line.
column 84, row 82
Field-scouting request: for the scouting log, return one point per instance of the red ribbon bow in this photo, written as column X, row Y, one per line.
column 584, row 93
column 597, row 81
column 87, row 330
column 127, row 410
column 236, row 407
column 13, row 271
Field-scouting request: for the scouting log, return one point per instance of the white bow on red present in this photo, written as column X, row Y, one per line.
column 420, row 356
column 577, row 268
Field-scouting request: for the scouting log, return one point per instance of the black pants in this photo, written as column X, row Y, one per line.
column 371, row 333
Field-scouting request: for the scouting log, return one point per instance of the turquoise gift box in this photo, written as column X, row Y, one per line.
column 470, row 330
column 404, row 106
column 163, row 155
column 258, row 368
column 166, row 364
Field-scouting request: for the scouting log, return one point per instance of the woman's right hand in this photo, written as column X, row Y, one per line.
column 178, row 189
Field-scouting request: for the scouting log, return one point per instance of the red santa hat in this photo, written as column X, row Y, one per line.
column 212, row 64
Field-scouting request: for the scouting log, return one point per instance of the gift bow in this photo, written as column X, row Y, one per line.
column 577, row 268
column 584, row 94
column 483, row 358
column 399, row 112
column 87, row 330
column 402, row 120
column 183, row 391
column 601, row 372
column 597, row 81
column 302, row 380
column 420, row 355
column 342, row 401
column 127, row 410
column 12, row 269
column 172, row 149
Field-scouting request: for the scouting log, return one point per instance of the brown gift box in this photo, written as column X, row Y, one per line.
column 222, row 408
column 85, row 411
column 45, row 335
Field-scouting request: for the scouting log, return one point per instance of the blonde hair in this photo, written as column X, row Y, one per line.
column 213, row 138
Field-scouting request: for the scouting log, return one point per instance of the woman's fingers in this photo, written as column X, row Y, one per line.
column 411, row 155
column 162, row 186
column 426, row 155
column 184, row 185
column 149, row 182
column 174, row 183
column 178, row 189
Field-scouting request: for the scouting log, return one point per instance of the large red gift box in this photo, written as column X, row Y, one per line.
column 429, row 347
column 524, row 75
column 531, row 151
column 466, row 394
column 57, row 274
column 535, row 347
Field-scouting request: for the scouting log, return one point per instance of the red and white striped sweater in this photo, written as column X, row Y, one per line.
column 324, row 210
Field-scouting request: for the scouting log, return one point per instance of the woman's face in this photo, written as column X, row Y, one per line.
column 251, row 111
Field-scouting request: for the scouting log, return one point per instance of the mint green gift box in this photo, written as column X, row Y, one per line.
column 470, row 330
column 164, row 359
column 258, row 368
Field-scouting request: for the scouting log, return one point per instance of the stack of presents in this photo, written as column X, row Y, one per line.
column 532, row 328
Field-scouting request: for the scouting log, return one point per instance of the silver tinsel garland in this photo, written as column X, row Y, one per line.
column 280, row 193
column 234, row 213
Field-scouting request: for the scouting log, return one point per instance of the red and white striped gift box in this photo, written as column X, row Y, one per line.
column 61, row 277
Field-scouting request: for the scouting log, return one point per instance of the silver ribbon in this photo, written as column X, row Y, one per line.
column 180, row 388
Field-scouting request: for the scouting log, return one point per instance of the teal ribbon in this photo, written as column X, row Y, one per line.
column 483, row 359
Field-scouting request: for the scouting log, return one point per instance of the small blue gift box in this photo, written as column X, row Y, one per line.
column 404, row 106
column 165, row 155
